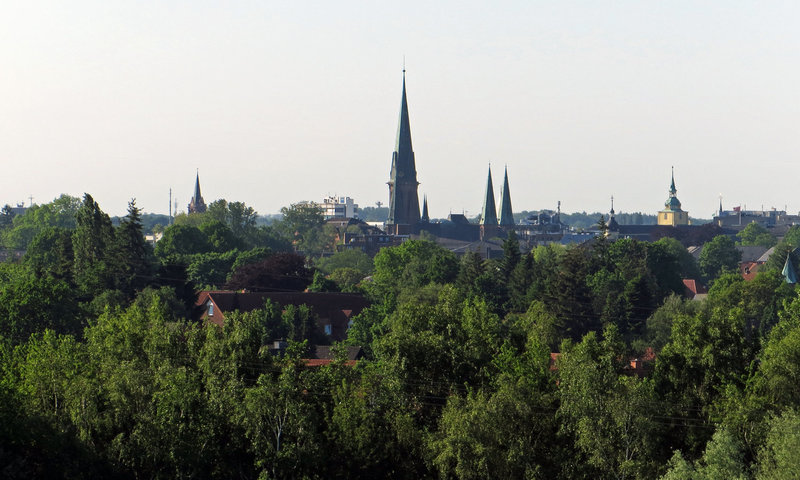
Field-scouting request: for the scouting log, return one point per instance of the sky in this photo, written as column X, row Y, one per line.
column 279, row 102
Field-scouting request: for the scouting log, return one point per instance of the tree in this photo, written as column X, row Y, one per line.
column 50, row 253
column 237, row 216
column 609, row 414
column 133, row 252
column 755, row 234
column 303, row 223
column 719, row 255
column 280, row 272
column 179, row 240
column 220, row 236
column 723, row 458
column 93, row 246
column 60, row 212
column 511, row 255
column 350, row 258
column 781, row 453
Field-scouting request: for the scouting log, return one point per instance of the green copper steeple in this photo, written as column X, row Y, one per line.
column 489, row 212
column 672, row 202
column 403, row 197
column 506, row 214
column 788, row 272
column 425, row 218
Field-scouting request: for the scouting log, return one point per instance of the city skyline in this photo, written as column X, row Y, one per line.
column 275, row 104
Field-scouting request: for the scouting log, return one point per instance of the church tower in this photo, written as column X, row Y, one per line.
column 197, row 205
column 672, row 214
column 506, row 214
column 489, row 212
column 403, row 198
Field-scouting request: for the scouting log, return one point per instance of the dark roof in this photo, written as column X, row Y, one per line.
column 326, row 352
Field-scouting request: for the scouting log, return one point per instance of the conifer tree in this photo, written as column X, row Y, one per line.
column 132, row 252
column 92, row 244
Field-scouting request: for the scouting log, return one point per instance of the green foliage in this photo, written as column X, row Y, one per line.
column 411, row 265
column 718, row 256
column 93, row 245
column 320, row 283
column 60, row 213
column 181, row 240
column 723, row 458
column 610, row 415
column 354, row 259
column 30, row 303
column 780, row 457
column 304, row 223
column 211, row 270
column 755, row 234
column 50, row 253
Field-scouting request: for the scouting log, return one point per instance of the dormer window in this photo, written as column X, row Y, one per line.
column 210, row 305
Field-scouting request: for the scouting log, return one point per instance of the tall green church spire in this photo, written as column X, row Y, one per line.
column 506, row 214
column 403, row 197
column 489, row 212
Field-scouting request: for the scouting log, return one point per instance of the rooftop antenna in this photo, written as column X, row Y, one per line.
column 31, row 199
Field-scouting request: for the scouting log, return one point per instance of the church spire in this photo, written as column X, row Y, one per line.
column 506, row 214
column 403, row 197
column 197, row 205
column 489, row 212
column 672, row 189
column 788, row 272
column 425, row 218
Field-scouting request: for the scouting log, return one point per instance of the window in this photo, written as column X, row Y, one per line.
column 210, row 308
column 328, row 329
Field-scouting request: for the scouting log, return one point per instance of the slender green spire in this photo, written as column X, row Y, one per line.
column 506, row 214
column 403, row 197
column 425, row 218
column 489, row 212
column 788, row 270
column 672, row 189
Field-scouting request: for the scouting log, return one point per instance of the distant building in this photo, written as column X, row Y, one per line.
column 197, row 205
column 673, row 215
column 339, row 207
column 739, row 218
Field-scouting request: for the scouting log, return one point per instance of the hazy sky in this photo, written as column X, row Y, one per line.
column 277, row 102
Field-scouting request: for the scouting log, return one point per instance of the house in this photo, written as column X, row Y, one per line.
column 334, row 311
column 693, row 290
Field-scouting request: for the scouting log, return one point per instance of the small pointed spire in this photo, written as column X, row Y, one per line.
column 197, row 205
column 506, row 213
column 672, row 189
column 489, row 212
column 425, row 218
column 612, row 206
column 720, row 205
column 788, row 270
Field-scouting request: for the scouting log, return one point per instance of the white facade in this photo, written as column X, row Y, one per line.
column 339, row 207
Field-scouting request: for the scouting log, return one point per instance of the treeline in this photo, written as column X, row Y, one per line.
column 511, row 368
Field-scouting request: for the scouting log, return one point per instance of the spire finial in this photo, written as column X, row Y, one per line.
column 404, row 66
